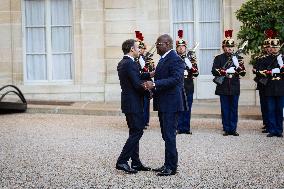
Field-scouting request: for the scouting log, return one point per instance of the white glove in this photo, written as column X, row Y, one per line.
column 141, row 62
column 188, row 63
column 185, row 73
column 280, row 60
column 231, row 70
column 275, row 70
column 235, row 61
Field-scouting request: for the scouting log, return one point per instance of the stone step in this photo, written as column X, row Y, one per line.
column 210, row 109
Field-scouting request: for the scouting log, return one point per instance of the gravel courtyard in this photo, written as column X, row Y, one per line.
column 80, row 151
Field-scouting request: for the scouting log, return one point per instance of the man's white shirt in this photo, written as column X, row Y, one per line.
column 130, row 57
column 164, row 55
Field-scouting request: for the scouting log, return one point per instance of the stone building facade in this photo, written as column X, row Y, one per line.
column 81, row 39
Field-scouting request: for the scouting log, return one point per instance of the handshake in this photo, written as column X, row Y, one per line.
column 148, row 85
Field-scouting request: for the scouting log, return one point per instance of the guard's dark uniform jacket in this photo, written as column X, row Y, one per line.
column 189, row 74
column 148, row 67
column 149, row 64
column 142, row 71
column 275, row 83
column 231, row 84
column 261, row 90
column 256, row 67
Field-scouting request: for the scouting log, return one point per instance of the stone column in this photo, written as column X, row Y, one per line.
column 6, row 66
column 89, row 41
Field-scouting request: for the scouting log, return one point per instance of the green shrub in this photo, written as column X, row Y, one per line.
column 257, row 16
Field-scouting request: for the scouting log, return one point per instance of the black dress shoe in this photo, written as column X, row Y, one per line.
column 179, row 132
column 140, row 168
column 264, row 131
column 167, row 172
column 188, row 132
column 280, row 135
column 226, row 134
column 146, row 126
column 264, row 127
column 235, row 134
column 125, row 167
column 160, row 169
column 270, row 135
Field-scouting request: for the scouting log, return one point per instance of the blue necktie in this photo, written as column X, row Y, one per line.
column 161, row 59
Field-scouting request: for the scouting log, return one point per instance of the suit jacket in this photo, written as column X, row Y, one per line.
column 130, row 81
column 169, row 94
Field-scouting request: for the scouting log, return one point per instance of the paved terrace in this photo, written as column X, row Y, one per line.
column 80, row 151
column 55, row 146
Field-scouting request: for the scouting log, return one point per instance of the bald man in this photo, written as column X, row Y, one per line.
column 168, row 99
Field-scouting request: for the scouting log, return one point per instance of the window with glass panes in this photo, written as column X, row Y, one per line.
column 48, row 40
column 201, row 22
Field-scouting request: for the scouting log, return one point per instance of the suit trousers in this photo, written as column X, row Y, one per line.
column 135, row 123
column 146, row 109
column 275, row 114
column 229, row 112
column 168, row 124
column 184, row 117
column 263, row 107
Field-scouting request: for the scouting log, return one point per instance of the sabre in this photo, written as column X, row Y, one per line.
column 191, row 51
column 196, row 45
column 149, row 54
column 152, row 47
column 240, row 50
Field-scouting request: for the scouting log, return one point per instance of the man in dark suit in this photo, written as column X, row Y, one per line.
column 132, row 106
column 168, row 99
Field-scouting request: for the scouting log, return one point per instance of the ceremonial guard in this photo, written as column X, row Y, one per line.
column 272, row 77
column 259, row 85
column 190, row 71
column 227, row 69
column 146, row 64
